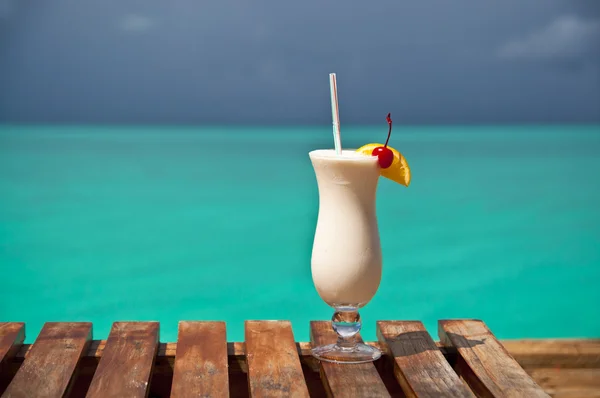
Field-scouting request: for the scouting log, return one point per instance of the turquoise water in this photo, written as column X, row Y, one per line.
column 216, row 223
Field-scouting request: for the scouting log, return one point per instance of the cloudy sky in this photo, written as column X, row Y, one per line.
column 267, row 61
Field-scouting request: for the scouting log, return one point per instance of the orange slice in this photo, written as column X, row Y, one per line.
column 398, row 171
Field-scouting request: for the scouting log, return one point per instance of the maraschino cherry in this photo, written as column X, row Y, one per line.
column 385, row 154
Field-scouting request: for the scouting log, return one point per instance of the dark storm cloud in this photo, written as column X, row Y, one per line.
column 235, row 61
column 568, row 39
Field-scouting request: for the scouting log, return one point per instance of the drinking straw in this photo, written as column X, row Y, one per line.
column 335, row 114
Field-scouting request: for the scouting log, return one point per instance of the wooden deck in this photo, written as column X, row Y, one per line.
column 64, row 361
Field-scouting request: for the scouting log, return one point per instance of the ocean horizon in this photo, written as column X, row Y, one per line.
column 170, row 223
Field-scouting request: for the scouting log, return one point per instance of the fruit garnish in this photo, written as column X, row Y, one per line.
column 397, row 168
column 383, row 153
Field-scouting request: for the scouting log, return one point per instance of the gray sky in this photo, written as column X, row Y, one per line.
column 256, row 61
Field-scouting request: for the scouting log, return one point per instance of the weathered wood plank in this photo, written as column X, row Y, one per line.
column 345, row 380
column 419, row 366
column 12, row 335
column 484, row 363
column 568, row 382
column 274, row 368
column 126, row 365
column 49, row 368
column 549, row 353
column 201, row 361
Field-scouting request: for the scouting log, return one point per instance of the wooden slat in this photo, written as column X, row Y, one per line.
column 484, row 363
column 568, row 382
column 12, row 335
column 549, row 353
column 274, row 368
column 419, row 366
column 201, row 361
column 345, row 380
column 48, row 369
column 126, row 365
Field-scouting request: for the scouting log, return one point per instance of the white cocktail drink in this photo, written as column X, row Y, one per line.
column 346, row 255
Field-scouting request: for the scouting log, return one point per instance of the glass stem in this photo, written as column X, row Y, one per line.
column 346, row 323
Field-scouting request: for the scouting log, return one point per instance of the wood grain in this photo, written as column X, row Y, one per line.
column 345, row 380
column 484, row 363
column 419, row 366
column 562, row 367
column 126, row 365
column 568, row 382
column 12, row 335
column 274, row 368
column 201, row 361
column 49, row 368
column 564, row 353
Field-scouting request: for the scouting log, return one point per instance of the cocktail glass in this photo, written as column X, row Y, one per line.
column 346, row 257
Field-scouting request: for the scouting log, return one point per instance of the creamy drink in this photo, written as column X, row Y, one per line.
column 346, row 256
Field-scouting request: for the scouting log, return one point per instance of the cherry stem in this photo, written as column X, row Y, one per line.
column 389, row 120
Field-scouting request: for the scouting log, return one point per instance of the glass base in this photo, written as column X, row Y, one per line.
column 358, row 353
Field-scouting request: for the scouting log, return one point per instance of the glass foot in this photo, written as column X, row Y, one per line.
column 359, row 353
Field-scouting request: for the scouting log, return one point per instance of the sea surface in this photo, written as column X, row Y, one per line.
column 166, row 223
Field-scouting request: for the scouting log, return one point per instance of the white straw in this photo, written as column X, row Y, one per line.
column 335, row 114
